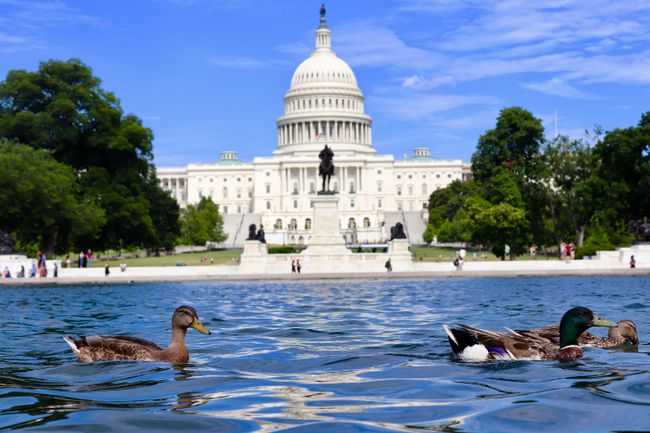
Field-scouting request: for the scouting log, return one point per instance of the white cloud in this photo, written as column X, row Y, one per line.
column 237, row 62
column 423, row 107
column 558, row 87
column 417, row 82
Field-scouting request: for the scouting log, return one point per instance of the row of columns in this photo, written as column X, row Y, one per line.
column 308, row 175
column 177, row 186
column 333, row 130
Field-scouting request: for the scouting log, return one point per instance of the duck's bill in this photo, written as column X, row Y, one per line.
column 601, row 322
column 196, row 324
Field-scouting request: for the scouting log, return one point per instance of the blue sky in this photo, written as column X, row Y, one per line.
column 210, row 75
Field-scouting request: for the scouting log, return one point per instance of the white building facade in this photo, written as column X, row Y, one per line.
column 323, row 105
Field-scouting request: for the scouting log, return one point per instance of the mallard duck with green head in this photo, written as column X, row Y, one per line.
column 623, row 334
column 105, row 348
column 473, row 344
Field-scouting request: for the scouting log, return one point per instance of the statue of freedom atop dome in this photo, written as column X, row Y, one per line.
column 326, row 169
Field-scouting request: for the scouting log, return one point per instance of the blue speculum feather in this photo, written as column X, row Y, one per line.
column 496, row 349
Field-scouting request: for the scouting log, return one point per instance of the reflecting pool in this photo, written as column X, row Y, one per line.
column 320, row 357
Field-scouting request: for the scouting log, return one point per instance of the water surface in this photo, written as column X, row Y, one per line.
column 320, row 357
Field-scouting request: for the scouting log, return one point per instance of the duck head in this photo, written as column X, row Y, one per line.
column 576, row 321
column 186, row 317
column 625, row 329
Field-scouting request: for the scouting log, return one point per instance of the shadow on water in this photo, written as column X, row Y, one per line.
column 350, row 357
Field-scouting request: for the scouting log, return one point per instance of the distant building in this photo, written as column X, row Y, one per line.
column 323, row 105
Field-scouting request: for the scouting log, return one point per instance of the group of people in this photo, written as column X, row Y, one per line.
column 567, row 251
column 296, row 266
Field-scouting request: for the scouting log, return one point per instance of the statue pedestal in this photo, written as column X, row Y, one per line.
column 253, row 259
column 326, row 238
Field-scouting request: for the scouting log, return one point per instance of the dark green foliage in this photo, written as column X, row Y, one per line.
column 512, row 145
column 61, row 108
column 622, row 183
column 41, row 200
column 201, row 223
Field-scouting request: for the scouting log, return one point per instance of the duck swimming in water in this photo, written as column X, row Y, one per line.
column 473, row 344
column 623, row 334
column 104, row 348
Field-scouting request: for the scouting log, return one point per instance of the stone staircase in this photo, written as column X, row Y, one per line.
column 414, row 224
column 236, row 227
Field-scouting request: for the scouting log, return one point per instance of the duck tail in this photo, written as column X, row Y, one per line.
column 465, row 344
column 73, row 344
column 459, row 339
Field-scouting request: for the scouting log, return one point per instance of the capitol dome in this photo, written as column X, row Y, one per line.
column 324, row 69
column 324, row 105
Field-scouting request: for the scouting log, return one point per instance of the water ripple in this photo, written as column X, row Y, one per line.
column 314, row 357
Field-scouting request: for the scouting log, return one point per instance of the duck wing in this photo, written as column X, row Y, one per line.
column 476, row 344
column 110, row 348
column 552, row 334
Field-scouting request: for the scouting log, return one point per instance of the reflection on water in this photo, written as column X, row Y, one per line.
column 320, row 357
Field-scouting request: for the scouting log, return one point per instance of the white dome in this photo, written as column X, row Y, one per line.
column 323, row 69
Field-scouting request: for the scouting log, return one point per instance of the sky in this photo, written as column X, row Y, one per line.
column 210, row 75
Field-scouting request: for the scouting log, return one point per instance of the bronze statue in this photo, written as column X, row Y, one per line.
column 256, row 235
column 397, row 232
column 251, row 232
column 326, row 168
column 7, row 244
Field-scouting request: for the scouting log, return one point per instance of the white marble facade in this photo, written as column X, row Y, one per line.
column 323, row 105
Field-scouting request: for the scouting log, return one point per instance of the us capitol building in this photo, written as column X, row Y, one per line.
column 323, row 105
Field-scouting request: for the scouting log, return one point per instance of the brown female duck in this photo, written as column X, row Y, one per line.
column 623, row 334
column 104, row 348
column 472, row 344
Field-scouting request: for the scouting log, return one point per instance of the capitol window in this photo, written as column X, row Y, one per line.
column 352, row 224
column 225, row 209
column 308, row 224
column 268, row 188
column 437, row 176
column 225, row 192
column 238, row 209
column 366, row 222
column 278, row 224
column 449, row 176
column 379, row 203
column 380, row 186
column 295, row 204
column 351, row 202
column 238, row 194
column 399, row 190
column 293, row 225
column 268, row 205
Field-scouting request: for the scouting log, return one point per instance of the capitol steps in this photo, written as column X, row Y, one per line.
column 236, row 227
column 414, row 224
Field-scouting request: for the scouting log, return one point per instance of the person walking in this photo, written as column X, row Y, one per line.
column 298, row 265
column 388, row 266
column 632, row 262
column 293, row 266
column 107, row 271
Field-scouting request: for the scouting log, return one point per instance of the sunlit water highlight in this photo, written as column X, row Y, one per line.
column 320, row 357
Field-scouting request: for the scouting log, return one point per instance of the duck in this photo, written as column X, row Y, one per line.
column 473, row 344
column 109, row 348
column 623, row 334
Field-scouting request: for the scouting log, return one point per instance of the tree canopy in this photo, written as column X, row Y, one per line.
column 202, row 223
column 62, row 109
column 41, row 201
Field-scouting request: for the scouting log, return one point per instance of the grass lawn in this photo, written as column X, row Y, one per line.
column 186, row 259
column 436, row 254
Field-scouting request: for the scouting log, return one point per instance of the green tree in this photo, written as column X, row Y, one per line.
column 165, row 216
column 569, row 167
column 512, row 144
column 623, row 176
column 41, row 202
column 202, row 223
column 62, row 108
